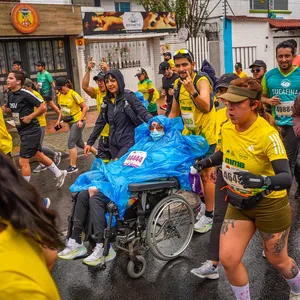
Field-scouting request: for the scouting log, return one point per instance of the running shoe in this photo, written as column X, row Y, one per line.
column 47, row 202
column 207, row 270
column 72, row 250
column 294, row 296
column 97, row 256
column 203, row 225
column 164, row 107
column 39, row 168
column 201, row 211
column 57, row 158
column 72, row 169
column 61, row 178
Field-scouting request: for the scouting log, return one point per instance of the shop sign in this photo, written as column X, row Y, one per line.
column 24, row 18
column 128, row 22
column 80, row 44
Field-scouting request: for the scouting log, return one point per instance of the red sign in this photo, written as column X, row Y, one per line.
column 25, row 18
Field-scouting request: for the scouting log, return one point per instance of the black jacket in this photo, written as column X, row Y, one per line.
column 126, row 113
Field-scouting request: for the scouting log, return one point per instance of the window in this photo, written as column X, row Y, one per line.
column 269, row 4
column 97, row 3
column 122, row 6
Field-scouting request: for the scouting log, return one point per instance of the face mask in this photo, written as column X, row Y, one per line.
column 156, row 135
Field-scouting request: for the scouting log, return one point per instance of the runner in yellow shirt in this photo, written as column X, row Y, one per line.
column 28, row 85
column 198, row 112
column 98, row 93
column 239, row 70
column 5, row 138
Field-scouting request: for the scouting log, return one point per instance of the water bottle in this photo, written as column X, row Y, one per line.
column 195, row 181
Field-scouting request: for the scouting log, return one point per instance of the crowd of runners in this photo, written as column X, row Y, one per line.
column 252, row 127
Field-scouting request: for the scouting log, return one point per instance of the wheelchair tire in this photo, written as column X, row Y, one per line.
column 170, row 227
column 136, row 270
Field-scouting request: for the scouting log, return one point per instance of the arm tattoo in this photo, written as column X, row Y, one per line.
column 294, row 269
column 226, row 224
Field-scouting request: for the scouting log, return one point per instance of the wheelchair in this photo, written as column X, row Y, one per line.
column 156, row 219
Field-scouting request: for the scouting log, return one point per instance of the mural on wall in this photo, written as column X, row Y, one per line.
column 128, row 22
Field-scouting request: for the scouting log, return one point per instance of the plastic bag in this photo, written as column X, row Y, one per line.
column 140, row 96
column 172, row 155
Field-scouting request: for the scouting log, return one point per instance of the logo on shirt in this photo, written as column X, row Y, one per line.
column 285, row 83
column 250, row 148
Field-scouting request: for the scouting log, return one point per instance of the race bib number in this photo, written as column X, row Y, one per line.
column 188, row 120
column 232, row 179
column 284, row 109
column 16, row 118
column 66, row 111
column 135, row 159
column 40, row 84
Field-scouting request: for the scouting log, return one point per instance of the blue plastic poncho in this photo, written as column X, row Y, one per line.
column 172, row 155
column 140, row 96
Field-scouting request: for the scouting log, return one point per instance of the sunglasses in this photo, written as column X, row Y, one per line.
column 158, row 127
column 256, row 70
column 184, row 51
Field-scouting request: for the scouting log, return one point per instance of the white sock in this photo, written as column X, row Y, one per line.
column 294, row 283
column 54, row 169
column 241, row 292
column 27, row 178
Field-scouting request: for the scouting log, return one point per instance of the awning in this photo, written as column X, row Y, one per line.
column 275, row 24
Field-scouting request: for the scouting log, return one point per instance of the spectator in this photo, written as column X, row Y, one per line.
column 239, row 70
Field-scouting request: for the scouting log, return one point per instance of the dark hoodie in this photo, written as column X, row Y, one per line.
column 126, row 113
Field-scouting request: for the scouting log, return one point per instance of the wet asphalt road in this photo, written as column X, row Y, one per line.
column 162, row 280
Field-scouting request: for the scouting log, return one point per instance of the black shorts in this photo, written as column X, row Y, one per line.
column 47, row 97
column 30, row 144
column 103, row 148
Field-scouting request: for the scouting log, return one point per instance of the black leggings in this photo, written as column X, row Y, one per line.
column 96, row 207
column 219, row 215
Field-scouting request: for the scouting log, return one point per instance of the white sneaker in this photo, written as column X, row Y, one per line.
column 207, row 270
column 97, row 256
column 61, row 178
column 294, row 296
column 203, row 225
column 72, row 250
column 201, row 211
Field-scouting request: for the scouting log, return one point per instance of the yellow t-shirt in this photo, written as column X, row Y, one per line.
column 242, row 74
column 70, row 105
column 171, row 63
column 252, row 151
column 221, row 118
column 5, row 138
column 99, row 99
column 144, row 87
column 23, row 271
column 196, row 122
column 41, row 118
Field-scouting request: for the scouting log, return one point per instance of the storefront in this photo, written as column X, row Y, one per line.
column 39, row 32
column 126, row 41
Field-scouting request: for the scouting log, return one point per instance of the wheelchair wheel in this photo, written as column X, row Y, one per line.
column 170, row 227
column 136, row 269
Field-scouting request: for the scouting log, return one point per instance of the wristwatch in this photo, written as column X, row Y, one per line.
column 195, row 94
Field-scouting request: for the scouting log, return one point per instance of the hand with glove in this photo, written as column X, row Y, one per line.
column 250, row 180
column 201, row 164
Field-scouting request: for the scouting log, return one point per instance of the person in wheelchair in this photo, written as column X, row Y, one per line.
column 154, row 155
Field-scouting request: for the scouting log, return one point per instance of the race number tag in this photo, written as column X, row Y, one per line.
column 188, row 120
column 39, row 85
column 66, row 111
column 16, row 118
column 231, row 178
column 284, row 109
column 135, row 159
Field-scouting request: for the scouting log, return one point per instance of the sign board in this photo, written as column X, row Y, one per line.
column 24, row 17
column 128, row 22
column 80, row 44
column 183, row 34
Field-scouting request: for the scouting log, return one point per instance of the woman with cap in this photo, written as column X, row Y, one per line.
column 146, row 87
column 255, row 169
column 73, row 111
column 29, row 86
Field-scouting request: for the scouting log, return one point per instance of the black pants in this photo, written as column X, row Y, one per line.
column 291, row 144
column 219, row 215
column 95, row 208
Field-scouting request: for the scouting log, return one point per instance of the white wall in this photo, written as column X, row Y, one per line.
column 47, row 2
column 259, row 34
column 109, row 5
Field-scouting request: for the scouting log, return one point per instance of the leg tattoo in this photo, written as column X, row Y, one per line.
column 226, row 224
column 278, row 244
column 266, row 237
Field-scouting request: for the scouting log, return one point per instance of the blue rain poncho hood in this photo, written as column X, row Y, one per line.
column 170, row 156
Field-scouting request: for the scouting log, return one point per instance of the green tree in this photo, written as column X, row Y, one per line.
column 189, row 13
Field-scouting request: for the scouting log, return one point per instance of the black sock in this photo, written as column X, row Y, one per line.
column 209, row 214
column 76, row 235
column 202, row 199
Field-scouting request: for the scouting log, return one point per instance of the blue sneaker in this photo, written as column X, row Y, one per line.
column 72, row 169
